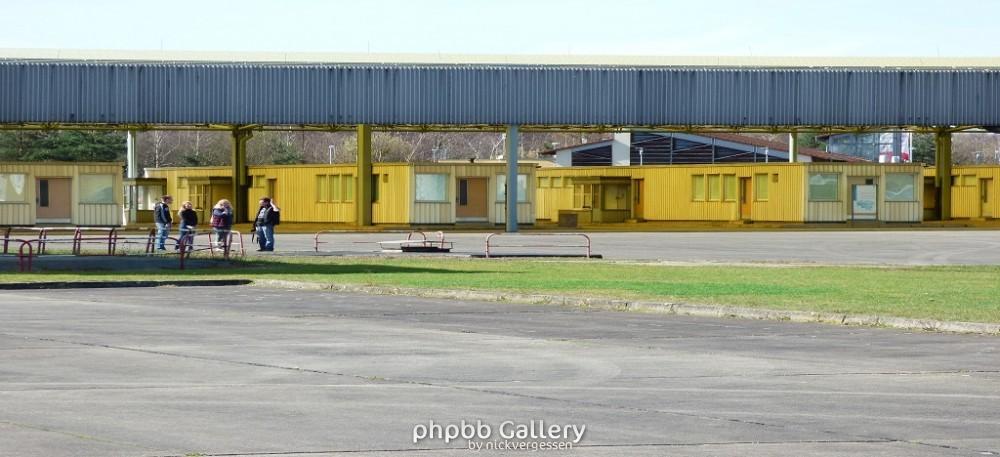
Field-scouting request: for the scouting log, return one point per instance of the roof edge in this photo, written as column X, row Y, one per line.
column 120, row 55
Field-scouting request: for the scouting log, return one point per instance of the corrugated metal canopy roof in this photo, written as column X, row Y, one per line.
column 123, row 88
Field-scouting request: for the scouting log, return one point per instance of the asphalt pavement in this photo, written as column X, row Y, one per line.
column 252, row 371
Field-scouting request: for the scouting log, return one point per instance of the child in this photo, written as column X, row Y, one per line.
column 189, row 220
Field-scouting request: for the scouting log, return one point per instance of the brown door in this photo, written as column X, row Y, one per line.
column 638, row 194
column 746, row 199
column 272, row 190
column 53, row 199
column 470, row 198
column 986, row 197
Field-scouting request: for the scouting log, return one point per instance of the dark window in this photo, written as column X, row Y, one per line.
column 600, row 156
column 375, row 188
column 463, row 192
column 43, row 193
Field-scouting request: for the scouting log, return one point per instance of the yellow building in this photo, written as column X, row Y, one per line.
column 460, row 192
column 429, row 193
column 47, row 193
column 774, row 192
column 974, row 191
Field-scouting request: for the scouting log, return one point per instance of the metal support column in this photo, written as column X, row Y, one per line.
column 942, row 161
column 241, row 204
column 793, row 147
column 131, row 163
column 513, row 144
column 363, row 186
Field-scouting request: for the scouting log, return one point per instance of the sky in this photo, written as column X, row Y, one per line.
column 578, row 27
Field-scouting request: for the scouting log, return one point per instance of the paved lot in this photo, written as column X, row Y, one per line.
column 240, row 370
column 913, row 247
column 909, row 247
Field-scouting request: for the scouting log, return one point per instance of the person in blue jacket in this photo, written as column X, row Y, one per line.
column 163, row 219
column 268, row 215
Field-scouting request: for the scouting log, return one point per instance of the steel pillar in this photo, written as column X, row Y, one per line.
column 363, row 186
column 942, row 161
column 131, row 163
column 241, row 204
column 513, row 144
column 793, row 147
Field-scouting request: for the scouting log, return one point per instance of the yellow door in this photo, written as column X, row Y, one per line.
column 746, row 201
column 53, row 199
column 986, row 197
column 637, row 197
column 470, row 199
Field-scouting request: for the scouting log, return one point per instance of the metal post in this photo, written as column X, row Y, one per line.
column 513, row 143
column 131, row 164
column 793, row 147
column 942, row 162
column 671, row 149
column 363, row 187
column 240, row 199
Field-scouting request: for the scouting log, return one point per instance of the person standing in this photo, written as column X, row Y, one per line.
column 268, row 215
column 163, row 219
column 189, row 221
column 222, row 222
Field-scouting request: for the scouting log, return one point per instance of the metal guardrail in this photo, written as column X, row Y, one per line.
column 77, row 241
column 413, row 238
column 29, row 249
column 412, row 242
column 495, row 240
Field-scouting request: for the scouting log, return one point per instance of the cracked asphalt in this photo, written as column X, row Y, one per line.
column 254, row 371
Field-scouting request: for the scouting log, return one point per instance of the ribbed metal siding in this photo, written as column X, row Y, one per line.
column 196, row 93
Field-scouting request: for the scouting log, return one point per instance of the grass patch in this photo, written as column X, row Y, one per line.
column 963, row 293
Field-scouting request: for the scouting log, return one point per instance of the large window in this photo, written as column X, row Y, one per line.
column 522, row 188
column 698, row 188
column 824, row 187
column 347, row 183
column 583, row 195
column 432, row 187
column 334, row 188
column 12, row 187
column 899, row 187
column 729, row 182
column 322, row 188
column 714, row 188
column 97, row 189
column 760, row 190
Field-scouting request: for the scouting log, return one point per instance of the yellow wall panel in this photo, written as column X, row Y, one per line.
column 668, row 191
column 23, row 213
column 840, row 210
column 966, row 200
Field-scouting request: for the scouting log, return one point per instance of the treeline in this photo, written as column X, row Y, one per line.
column 165, row 148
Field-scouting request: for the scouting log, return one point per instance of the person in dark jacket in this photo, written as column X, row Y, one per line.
column 189, row 221
column 222, row 222
column 267, row 217
column 163, row 219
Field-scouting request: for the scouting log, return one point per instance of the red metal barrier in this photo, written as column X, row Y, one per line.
column 536, row 244
column 31, row 248
column 20, row 255
column 6, row 239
